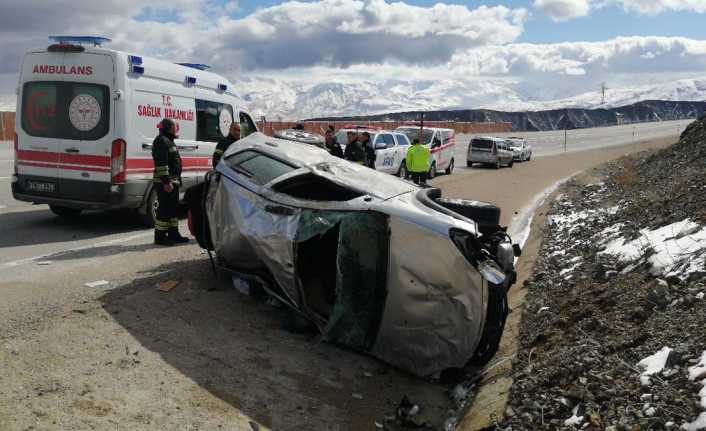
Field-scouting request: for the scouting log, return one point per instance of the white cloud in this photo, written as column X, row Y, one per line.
column 654, row 7
column 563, row 10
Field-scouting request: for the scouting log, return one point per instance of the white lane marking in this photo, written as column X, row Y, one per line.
column 84, row 247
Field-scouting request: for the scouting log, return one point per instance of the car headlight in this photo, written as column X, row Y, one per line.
column 477, row 256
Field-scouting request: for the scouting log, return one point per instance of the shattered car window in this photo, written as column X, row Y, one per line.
column 258, row 167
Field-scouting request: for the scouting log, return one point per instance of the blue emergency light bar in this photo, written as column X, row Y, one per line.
column 190, row 80
column 198, row 66
column 95, row 40
column 222, row 87
column 137, row 70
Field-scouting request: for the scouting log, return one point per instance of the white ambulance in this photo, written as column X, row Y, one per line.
column 441, row 142
column 87, row 115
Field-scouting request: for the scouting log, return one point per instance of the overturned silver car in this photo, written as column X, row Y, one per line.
column 378, row 264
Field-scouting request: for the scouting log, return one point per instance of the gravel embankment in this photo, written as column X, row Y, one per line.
column 614, row 331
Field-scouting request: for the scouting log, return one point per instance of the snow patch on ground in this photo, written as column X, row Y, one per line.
column 697, row 372
column 679, row 248
column 520, row 225
column 652, row 365
column 575, row 419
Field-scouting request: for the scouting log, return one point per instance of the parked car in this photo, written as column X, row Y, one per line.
column 489, row 151
column 377, row 264
column 441, row 142
column 521, row 149
column 390, row 148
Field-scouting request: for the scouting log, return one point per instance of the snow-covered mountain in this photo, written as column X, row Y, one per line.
column 291, row 99
column 297, row 99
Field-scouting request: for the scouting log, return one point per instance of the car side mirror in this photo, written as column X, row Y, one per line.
column 380, row 146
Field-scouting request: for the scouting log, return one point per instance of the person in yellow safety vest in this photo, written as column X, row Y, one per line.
column 417, row 161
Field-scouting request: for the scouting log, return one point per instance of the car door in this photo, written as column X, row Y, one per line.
column 87, row 110
column 400, row 151
column 385, row 152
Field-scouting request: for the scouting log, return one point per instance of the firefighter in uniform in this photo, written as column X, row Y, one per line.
column 417, row 161
column 224, row 143
column 167, row 179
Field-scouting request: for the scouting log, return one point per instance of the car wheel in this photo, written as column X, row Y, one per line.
column 529, row 157
column 512, row 162
column 497, row 164
column 450, row 169
column 432, row 171
column 469, row 164
column 148, row 212
column 65, row 212
column 402, row 172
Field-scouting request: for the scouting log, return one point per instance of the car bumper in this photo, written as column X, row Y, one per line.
column 102, row 195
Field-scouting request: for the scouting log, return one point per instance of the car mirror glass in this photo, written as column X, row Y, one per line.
column 491, row 272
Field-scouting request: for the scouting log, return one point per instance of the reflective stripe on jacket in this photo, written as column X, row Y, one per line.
column 418, row 158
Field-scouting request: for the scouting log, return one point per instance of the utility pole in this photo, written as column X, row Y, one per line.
column 565, row 139
column 421, row 128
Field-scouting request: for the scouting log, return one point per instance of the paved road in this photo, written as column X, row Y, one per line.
column 551, row 143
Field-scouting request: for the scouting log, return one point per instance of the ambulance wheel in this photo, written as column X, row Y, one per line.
column 148, row 212
column 65, row 212
column 450, row 169
column 432, row 171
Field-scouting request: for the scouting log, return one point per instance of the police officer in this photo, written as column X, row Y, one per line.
column 417, row 161
column 354, row 150
column 370, row 155
column 167, row 179
column 224, row 143
column 331, row 144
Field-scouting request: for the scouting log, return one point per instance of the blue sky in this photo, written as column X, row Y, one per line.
column 602, row 24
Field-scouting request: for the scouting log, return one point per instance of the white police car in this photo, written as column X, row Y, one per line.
column 390, row 147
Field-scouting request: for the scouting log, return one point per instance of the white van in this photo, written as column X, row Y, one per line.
column 442, row 143
column 86, row 118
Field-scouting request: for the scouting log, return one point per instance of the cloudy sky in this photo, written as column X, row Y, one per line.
column 545, row 49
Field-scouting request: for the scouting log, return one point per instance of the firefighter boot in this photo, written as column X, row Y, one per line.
column 175, row 237
column 160, row 238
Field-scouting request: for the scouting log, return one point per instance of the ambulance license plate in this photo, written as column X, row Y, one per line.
column 41, row 187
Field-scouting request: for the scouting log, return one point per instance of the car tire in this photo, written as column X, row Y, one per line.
column 432, row 171
column 450, row 168
column 65, row 212
column 529, row 157
column 497, row 164
column 512, row 162
column 402, row 171
column 469, row 164
column 148, row 212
